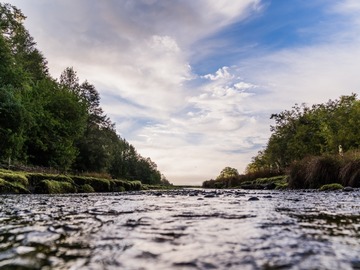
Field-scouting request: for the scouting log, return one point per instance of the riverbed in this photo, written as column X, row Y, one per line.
column 184, row 229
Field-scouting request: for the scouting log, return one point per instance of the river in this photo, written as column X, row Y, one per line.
column 185, row 229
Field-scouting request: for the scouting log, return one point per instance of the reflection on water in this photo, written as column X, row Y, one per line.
column 191, row 229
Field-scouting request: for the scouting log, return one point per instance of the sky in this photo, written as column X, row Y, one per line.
column 192, row 84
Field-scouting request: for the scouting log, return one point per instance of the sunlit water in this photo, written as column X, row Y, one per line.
column 191, row 229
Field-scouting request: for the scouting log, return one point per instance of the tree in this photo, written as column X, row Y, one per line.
column 310, row 131
column 11, row 123
column 58, row 120
column 21, row 44
column 228, row 172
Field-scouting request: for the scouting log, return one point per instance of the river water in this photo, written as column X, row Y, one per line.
column 186, row 229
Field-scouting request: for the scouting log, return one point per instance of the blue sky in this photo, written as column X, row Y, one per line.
column 192, row 84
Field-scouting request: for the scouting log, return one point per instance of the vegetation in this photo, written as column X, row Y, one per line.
column 332, row 128
column 57, row 124
column 330, row 187
column 22, row 182
column 314, row 146
column 230, row 178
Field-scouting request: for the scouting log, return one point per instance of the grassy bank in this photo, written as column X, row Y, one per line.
column 327, row 172
column 13, row 182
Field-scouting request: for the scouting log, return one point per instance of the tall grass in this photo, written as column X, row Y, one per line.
column 316, row 171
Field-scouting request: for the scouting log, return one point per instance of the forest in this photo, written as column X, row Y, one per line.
column 57, row 123
column 308, row 146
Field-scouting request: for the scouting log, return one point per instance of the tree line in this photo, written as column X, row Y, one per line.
column 330, row 128
column 310, row 146
column 57, row 123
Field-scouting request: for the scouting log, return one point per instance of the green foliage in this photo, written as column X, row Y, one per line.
column 328, row 187
column 57, row 124
column 11, row 123
column 242, row 180
column 228, row 172
column 310, row 131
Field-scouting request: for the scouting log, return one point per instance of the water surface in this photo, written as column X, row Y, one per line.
column 191, row 229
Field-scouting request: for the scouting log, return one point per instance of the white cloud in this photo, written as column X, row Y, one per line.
column 138, row 54
column 221, row 73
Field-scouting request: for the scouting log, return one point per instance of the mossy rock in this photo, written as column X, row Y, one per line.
column 123, row 185
column 12, row 188
column 86, row 189
column 14, row 177
column 55, row 187
column 99, row 185
column 36, row 178
column 282, row 186
column 329, row 187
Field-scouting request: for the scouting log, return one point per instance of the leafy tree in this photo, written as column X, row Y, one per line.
column 21, row 44
column 58, row 119
column 228, row 172
column 11, row 123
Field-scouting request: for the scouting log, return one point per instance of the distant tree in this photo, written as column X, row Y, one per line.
column 228, row 172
